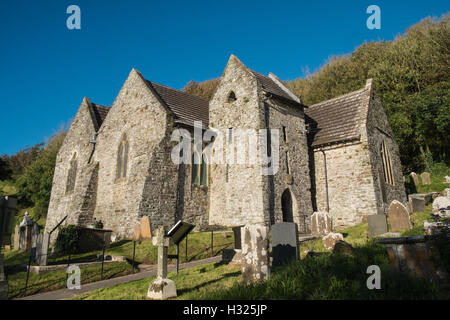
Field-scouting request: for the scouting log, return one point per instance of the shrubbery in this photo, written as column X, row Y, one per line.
column 68, row 240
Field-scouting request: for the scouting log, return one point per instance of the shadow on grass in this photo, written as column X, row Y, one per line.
column 226, row 275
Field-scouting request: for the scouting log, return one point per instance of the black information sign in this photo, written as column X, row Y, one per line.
column 179, row 231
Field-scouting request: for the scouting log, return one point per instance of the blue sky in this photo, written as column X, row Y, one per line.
column 47, row 69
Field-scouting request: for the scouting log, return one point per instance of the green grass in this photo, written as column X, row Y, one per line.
column 191, row 284
column 49, row 281
column 7, row 188
column 199, row 247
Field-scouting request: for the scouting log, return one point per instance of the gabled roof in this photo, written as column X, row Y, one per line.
column 338, row 119
column 269, row 85
column 185, row 107
column 98, row 113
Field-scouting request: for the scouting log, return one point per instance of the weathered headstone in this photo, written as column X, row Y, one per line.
column 25, row 232
column 146, row 231
column 330, row 240
column 343, row 247
column 17, row 237
column 415, row 178
column 377, row 224
column 255, row 258
column 398, row 216
column 284, row 243
column 320, row 223
column 425, row 178
column 447, row 179
column 162, row 288
column 417, row 204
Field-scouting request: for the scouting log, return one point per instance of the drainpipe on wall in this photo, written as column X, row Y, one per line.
column 326, row 179
column 93, row 142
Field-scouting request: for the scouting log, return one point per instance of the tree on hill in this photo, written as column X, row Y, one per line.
column 35, row 184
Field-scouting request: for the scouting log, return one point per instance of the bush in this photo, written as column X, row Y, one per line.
column 68, row 239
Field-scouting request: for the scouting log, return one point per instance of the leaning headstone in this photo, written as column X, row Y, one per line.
column 330, row 240
column 343, row 247
column 398, row 216
column 415, row 178
column 320, row 223
column 284, row 243
column 162, row 288
column 17, row 237
column 425, row 178
column 255, row 257
column 43, row 253
column 377, row 224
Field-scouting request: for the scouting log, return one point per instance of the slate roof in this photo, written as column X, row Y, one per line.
column 270, row 86
column 100, row 113
column 186, row 107
column 337, row 119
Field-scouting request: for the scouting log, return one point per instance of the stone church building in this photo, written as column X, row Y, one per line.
column 116, row 164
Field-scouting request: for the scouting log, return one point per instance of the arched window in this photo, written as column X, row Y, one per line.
column 387, row 164
column 72, row 175
column 199, row 169
column 122, row 158
column 231, row 97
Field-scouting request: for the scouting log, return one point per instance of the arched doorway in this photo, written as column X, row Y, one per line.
column 287, row 206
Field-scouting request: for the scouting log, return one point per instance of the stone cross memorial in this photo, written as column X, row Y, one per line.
column 284, row 243
column 398, row 216
column 162, row 288
column 255, row 257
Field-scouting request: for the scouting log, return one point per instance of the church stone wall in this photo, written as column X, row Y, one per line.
column 137, row 113
column 350, row 183
column 76, row 141
column 240, row 200
column 295, row 148
column 379, row 129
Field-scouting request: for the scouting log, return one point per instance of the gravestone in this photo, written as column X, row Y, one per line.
column 377, row 224
column 284, row 243
column 415, row 178
column 255, row 257
column 320, row 223
column 146, row 231
column 398, row 216
column 3, row 282
column 425, row 178
column 417, row 204
column 237, row 237
column 39, row 241
column 25, row 232
column 330, row 240
column 162, row 288
column 17, row 237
